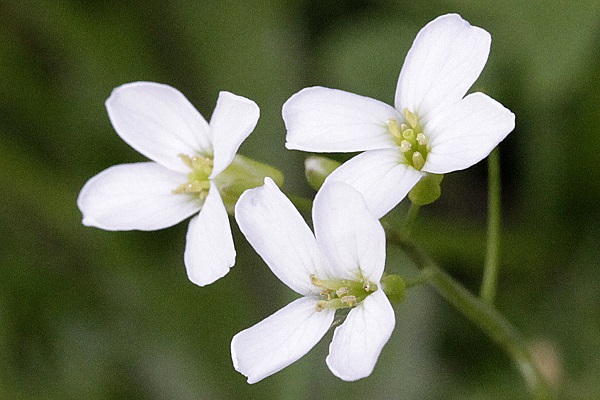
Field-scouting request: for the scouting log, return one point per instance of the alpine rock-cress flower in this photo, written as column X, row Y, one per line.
column 189, row 172
column 432, row 129
column 340, row 266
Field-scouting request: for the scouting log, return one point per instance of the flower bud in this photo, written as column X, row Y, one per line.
column 317, row 168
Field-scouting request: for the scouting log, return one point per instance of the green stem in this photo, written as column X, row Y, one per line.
column 411, row 217
column 484, row 316
column 492, row 256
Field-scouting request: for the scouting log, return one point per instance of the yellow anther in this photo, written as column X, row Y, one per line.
column 202, row 164
column 421, row 139
column 321, row 305
column 393, row 128
column 411, row 117
column 186, row 159
column 418, row 160
column 314, row 280
column 349, row 300
column 405, row 146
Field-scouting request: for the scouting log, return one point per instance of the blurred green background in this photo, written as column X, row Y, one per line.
column 89, row 314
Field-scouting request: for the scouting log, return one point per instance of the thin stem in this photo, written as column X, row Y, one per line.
column 484, row 316
column 492, row 255
column 411, row 217
column 423, row 277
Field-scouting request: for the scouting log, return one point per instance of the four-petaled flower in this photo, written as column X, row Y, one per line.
column 340, row 266
column 433, row 127
column 186, row 176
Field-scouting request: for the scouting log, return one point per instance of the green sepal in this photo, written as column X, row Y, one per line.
column 427, row 190
column 394, row 288
column 242, row 174
column 317, row 168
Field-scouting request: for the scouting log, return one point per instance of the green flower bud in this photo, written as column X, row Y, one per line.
column 317, row 168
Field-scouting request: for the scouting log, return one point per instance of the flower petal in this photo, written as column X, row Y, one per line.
column 159, row 122
column 279, row 340
column 357, row 343
column 466, row 133
column 329, row 120
column 135, row 196
column 347, row 234
column 380, row 176
column 209, row 251
column 232, row 121
column 280, row 236
column 445, row 59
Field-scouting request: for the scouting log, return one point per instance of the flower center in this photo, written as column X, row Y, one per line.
column 342, row 293
column 410, row 139
column 198, row 183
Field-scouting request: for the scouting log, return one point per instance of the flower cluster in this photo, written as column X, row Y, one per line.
column 434, row 128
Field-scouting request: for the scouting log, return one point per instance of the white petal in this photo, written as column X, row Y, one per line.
column 445, row 59
column 135, row 196
column 233, row 120
column 348, row 235
column 280, row 236
column 357, row 343
column 209, row 251
column 159, row 122
column 329, row 120
column 380, row 176
column 279, row 340
column 466, row 133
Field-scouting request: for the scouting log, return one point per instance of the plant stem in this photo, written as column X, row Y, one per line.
column 492, row 255
column 484, row 316
column 411, row 216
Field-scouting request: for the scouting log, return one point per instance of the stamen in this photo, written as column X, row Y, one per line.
column 411, row 117
column 405, row 146
column 418, row 160
column 186, row 159
column 321, row 305
column 341, row 293
column 198, row 183
column 422, row 139
column 314, row 280
column 349, row 300
column 393, row 128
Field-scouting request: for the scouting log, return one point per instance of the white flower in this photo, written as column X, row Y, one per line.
column 187, row 154
column 340, row 266
column 433, row 127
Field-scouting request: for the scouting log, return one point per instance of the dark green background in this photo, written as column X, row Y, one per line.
column 89, row 314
